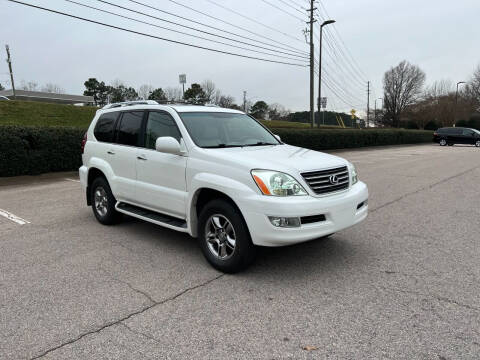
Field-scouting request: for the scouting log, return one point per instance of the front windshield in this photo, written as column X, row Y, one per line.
column 217, row 130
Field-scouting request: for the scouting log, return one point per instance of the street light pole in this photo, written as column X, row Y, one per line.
column 327, row 22
column 456, row 102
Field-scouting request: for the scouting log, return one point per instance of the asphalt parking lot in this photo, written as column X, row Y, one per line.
column 402, row 285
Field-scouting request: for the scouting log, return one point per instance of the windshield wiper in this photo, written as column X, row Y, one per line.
column 260, row 143
column 221, row 146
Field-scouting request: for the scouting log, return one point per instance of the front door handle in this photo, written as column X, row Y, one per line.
column 142, row 157
column 110, row 152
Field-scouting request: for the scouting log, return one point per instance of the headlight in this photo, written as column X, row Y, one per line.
column 354, row 174
column 277, row 183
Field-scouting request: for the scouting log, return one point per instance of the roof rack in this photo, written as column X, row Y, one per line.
column 130, row 103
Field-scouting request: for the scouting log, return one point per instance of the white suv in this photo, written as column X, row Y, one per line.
column 218, row 175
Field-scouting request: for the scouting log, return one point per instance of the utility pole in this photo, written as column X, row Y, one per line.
column 327, row 22
column 312, row 66
column 9, row 61
column 244, row 101
column 368, row 104
column 375, row 112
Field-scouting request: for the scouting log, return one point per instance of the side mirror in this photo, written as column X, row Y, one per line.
column 278, row 137
column 169, row 145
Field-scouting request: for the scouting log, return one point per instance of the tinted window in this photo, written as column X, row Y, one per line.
column 158, row 125
column 105, row 127
column 128, row 132
column 456, row 131
column 467, row 132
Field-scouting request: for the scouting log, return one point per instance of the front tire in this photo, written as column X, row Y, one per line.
column 103, row 202
column 224, row 237
column 477, row 143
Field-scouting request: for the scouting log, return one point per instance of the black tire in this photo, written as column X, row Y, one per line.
column 450, row 144
column 110, row 216
column 243, row 252
column 477, row 143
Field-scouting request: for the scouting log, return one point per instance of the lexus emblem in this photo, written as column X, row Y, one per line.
column 333, row 179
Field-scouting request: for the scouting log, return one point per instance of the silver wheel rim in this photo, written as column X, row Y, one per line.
column 101, row 201
column 477, row 144
column 220, row 236
column 443, row 142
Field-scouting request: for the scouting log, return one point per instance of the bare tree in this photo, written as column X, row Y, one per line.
column 210, row 90
column 226, row 101
column 402, row 86
column 53, row 88
column 144, row 91
column 173, row 93
column 28, row 86
column 472, row 89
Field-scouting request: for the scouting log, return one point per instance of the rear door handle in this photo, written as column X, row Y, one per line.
column 142, row 157
column 110, row 152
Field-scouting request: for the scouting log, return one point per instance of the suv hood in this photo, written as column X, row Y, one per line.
column 284, row 158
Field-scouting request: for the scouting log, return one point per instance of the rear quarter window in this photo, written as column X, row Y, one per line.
column 105, row 127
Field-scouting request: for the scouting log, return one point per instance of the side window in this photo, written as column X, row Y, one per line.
column 456, row 132
column 467, row 132
column 129, row 130
column 104, row 129
column 158, row 125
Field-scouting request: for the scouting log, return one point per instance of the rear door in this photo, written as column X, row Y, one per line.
column 455, row 136
column 123, row 154
column 161, row 184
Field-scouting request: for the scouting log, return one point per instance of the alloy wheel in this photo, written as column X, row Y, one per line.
column 220, row 236
column 101, row 201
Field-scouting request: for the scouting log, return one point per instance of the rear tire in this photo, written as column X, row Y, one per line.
column 450, row 144
column 103, row 202
column 224, row 237
column 443, row 142
column 477, row 143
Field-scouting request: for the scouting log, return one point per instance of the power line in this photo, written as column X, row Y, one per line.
column 177, row 31
column 283, row 10
column 195, row 29
column 252, row 20
column 233, row 25
column 153, row 36
column 293, row 7
column 358, row 69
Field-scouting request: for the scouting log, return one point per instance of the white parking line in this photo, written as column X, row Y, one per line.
column 73, row 180
column 13, row 217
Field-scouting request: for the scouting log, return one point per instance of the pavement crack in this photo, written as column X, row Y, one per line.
column 423, row 188
column 140, row 333
column 436, row 297
column 144, row 293
column 126, row 317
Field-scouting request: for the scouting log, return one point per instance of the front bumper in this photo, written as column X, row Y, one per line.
column 340, row 212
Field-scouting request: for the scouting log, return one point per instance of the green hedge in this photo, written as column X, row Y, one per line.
column 351, row 138
column 36, row 150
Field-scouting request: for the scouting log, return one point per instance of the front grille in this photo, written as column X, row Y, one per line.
column 323, row 182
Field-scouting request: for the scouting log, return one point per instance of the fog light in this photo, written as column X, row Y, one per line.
column 284, row 221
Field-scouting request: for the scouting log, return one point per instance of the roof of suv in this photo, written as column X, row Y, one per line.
column 181, row 108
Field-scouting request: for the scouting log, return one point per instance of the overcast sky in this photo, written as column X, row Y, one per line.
column 438, row 35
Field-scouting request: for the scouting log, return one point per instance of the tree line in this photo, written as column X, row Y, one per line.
column 409, row 103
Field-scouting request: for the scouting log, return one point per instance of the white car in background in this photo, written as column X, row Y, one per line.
column 218, row 175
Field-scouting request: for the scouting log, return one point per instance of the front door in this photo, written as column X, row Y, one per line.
column 161, row 184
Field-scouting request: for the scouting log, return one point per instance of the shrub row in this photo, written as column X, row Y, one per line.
column 36, row 150
column 351, row 138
